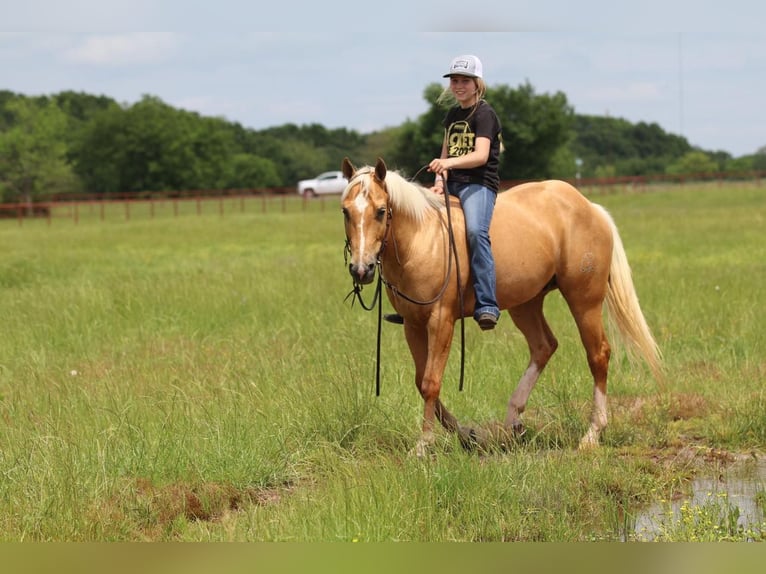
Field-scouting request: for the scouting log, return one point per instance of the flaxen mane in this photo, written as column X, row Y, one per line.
column 407, row 197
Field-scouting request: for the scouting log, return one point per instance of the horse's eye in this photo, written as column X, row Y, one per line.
column 345, row 213
column 380, row 214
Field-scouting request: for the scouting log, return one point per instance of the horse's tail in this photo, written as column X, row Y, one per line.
column 623, row 309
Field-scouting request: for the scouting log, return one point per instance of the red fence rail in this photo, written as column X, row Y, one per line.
column 80, row 209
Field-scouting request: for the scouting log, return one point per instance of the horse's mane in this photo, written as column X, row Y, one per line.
column 408, row 197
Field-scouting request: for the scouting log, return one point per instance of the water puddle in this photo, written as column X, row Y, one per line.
column 730, row 504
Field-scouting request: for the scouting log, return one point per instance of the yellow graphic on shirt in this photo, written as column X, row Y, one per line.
column 460, row 139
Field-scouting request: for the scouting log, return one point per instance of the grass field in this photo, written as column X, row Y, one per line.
column 201, row 378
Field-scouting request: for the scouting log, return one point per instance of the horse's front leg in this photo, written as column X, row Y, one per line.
column 430, row 346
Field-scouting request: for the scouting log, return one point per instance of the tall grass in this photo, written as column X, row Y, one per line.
column 202, row 378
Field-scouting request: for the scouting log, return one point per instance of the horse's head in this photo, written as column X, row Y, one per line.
column 366, row 213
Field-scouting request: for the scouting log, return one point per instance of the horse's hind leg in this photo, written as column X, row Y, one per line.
column 591, row 326
column 529, row 319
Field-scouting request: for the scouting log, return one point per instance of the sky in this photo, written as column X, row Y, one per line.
column 698, row 69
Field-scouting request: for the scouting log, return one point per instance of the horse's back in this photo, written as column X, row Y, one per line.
column 535, row 195
column 549, row 229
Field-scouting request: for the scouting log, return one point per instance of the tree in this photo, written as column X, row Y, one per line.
column 98, row 153
column 563, row 164
column 694, row 162
column 247, row 171
column 7, row 117
column 743, row 165
column 33, row 152
column 624, row 148
column 302, row 152
column 377, row 144
column 534, row 128
column 80, row 106
column 759, row 159
column 294, row 158
column 416, row 143
column 150, row 146
column 103, row 146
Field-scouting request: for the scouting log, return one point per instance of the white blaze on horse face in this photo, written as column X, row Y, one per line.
column 360, row 204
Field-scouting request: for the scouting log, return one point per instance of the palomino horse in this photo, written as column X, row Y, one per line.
column 545, row 236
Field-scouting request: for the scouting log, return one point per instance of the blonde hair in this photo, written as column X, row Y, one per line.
column 447, row 98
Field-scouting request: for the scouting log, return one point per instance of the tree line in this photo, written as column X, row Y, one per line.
column 74, row 142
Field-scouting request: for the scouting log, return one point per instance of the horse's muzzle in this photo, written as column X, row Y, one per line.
column 362, row 274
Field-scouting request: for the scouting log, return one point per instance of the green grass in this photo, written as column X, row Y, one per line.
column 200, row 377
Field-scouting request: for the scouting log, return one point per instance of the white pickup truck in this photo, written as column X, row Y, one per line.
column 324, row 183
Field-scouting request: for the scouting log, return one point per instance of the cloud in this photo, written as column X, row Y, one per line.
column 124, row 49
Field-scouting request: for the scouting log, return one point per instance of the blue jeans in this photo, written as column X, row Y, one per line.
column 478, row 203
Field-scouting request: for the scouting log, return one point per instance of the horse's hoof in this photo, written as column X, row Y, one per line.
column 423, row 447
column 589, row 441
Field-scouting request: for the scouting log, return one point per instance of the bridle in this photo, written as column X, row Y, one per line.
column 356, row 292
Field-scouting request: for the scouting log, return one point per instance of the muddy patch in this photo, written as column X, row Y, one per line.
column 724, row 503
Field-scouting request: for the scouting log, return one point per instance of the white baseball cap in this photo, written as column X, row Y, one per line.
column 467, row 65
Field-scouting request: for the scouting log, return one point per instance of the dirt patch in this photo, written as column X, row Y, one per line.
column 692, row 460
column 198, row 502
column 685, row 406
column 676, row 406
column 153, row 509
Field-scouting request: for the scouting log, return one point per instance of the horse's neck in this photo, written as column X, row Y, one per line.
column 414, row 243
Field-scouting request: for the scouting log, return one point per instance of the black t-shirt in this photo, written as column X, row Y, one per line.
column 463, row 126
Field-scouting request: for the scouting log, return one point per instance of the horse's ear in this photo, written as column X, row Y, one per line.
column 347, row 168
column 380, row 169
